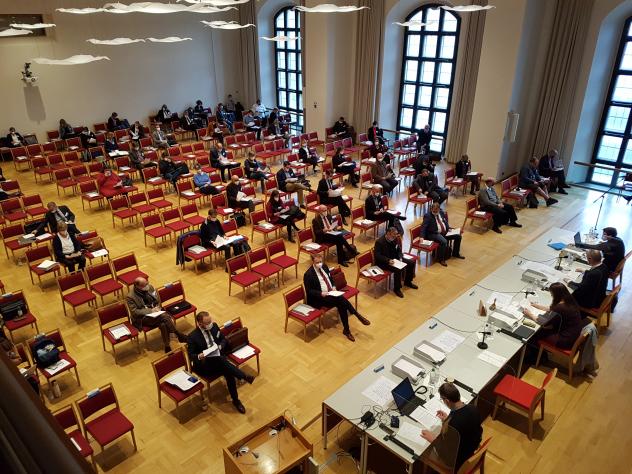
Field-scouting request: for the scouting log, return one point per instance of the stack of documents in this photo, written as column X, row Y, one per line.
column 119, row 331
column 99, row 253
column 196, row 249
column 303, row 309
column 311, row 246
column 456, row 231
column 182, row 380
column 58, row 366
column 244, row 352
column 44, row 236
column 479, row 213
column 379, row 392
column 46, row 265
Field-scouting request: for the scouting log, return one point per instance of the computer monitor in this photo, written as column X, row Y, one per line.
column 578, row 238
column 403, row 393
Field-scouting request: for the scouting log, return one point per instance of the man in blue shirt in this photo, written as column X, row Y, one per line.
column 531, row 180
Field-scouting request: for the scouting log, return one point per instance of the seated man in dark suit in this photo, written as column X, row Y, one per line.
column 58, row 215
column 461, row 170
column 550, row 166
column 383, row 174
column 307, row 157
column 388, row 249
column 138, row 159
column 326, row 230
column 424, row 137
column 530, row 179
column 14, row 139
column 142, row 300
column 219, row 160
column 374, row 209
column 328, row 194
column 591, row 291
column 235, row 199
column 289, row 183
column 115, row 123
column 170, row 170
column 210, row 229
column 428, row 185
column 435, row 227
column 318, row 285
column 207, row 348
column 612, row 247
column 375, row 133
column 341, row 129
column 502, row 212
column 67, row 249
column 345, row 167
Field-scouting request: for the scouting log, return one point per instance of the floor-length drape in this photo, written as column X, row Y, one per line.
column 250, row 76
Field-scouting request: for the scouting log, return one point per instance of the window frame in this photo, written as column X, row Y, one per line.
column 435, row 84
column 298, row 124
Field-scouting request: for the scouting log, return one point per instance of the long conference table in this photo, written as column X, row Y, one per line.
column 463, row 364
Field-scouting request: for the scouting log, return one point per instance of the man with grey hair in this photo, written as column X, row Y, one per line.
column 551, row 166
column 388, row 256
column 591, row 291
column 502, row 212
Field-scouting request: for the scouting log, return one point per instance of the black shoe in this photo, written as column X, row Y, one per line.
column 344, row 221
column 443, row 264
column 344, row 264
column 514, row 224
column 628, row 198
column 399, row 293
column 354, row 185
column 561, row 191
column 290, row 239
column 250, row 379
column 550, row 202
column 410, row 284
column 497, row 230
column 348, row 335
column 240, row 406
column 302, row 206
column 567, row 186
column 459, row 256
column 363, row 320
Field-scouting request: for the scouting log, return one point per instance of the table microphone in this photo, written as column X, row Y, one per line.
column 483, row 345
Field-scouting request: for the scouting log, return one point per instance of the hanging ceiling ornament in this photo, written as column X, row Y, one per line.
column 329, row 8
column 14, row 32
column 225, row 25
column 280, row 39
column 214, row 3
column 71, row 61
column 80, row 11
column 34, row 26
column 116, row 41
column 158, row 8
column 169, row 39
column 468, row 8
column 413, row 23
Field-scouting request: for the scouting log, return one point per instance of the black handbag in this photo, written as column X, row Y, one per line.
column 13, row 310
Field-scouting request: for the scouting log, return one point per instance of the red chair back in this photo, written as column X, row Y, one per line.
column 365, row 259
column 231, row 326
column 34, row 150
column 170, row 215
column 88, row 187
column 257, row 216
column 305, row 235
column 275, row 247
column 294, row 296
column 99, row 270
column 172, row 361
column 120, row 202
column 240, row 262
column 136, row 198
column 71, row 280
column 149, row 173
column 124, row 262
column 258, row 255
column 170, row 291
column 470, row 205
column 151, row 219
column 230, row 227
column 66, row 417
column 15, row 230
column 103, row 399
column 190, row 241
column 415, row 232
column 111, row 313
column 449, row 174
column 357, row 213
column 38, row 253
column 156, row 193
column 189, row 209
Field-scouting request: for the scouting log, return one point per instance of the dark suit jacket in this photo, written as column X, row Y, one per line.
column 215, row 153
column 424, row 138
column 528, row 176
column 59, row 255
column 545, row 166
column 613, row 251
column 462, row 168
column 10, row 138
column 319, row 228
column 197, row 343
column 370, row 207
column 323, row 189
column 51, row 221
column 280, row 176
column 429, row 224
column 372, row 133
column 209, row 231
column 383, row 251
column 302, row 154
column 312, row 286
column 591, row 291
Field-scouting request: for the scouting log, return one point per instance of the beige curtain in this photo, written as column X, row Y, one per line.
column 368, row 64
column 249, row 45
column 464, row 90
column 558, row 86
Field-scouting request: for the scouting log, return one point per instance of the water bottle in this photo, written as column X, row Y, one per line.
column 434, row 375
column 56, row 389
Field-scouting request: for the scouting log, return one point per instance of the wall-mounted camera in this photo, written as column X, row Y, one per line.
column 27, row 74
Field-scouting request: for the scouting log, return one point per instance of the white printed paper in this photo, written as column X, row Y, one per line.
column 100, row 253
column 491, row 358
column 155, row 314
column 399, row 264
column 303, row 309
column 410, row 433
column 456, row 231
column 58, row 366
column 431, row 352
column 379, row 392
column 244, row 352
column 429, row 420
column 181, row 380
column 335, row 293
column 46, row 265
column 447, row 341
column 119, row 331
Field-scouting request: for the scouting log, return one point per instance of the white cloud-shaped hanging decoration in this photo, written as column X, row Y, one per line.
column 169, row 39
column 280, row 39
column 225, row 25
column 329, row 8
column 71, row 61
column 468, row 8
column 413, row 23
column 80, row 11
column 155, row 7
column 34, row 26
column 14, row 32
column 214, row 3
column 116, row 41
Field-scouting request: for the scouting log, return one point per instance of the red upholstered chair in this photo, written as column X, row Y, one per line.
column 90, row 193
column 418, row 243
column 231, row 229
column 307, row 244
column 140, row 203
column 522, row 395
column 126, row 269
column 101, row 417
column 172, row 299
column 153, row 179
column 366, row 182
column 278, row 255
column 364, row 261
column 167, row 365
column 26, row 319
column 259, row 263
column 193, row 240
column 74, row 291
column 187, row 192
column 102, row 281
column 152, row 226
column 63, row 180
column 156, row 198
column 58, row 340
column 80, row 174
column 230, row 327
column 41, row 168
column 12, row 210
column 220, row 204
column 416, row 199
column 452, row 182
column 113, row 316
column 20, row 157
column 35, row 257
column 350, row 291
column 567, row 354
column 358, row 221
column 190, row 214
column 34, row 206
column 473, row 212
column 292, row 298
column 239, row 273
column 67, row 419
column 172, row 220
column 510, row 194
column 11, row 236
column 261, row 225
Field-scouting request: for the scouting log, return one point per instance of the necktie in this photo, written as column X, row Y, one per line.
column 326, row 280
column 326, row 222
column 441, row 224
column 209, row 336
column 329, row 183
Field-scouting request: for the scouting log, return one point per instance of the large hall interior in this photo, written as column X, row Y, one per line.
column 377, row 236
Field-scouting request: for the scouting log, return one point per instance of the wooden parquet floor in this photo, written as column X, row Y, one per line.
column 586, row 424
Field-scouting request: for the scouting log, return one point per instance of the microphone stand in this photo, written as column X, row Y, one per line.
column 483, row 345
column 593, row 230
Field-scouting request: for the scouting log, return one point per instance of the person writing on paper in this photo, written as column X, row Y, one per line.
column 465, row 419
column 428, row 185
column 388, row 250
column 236, row 197
column 202, row 181
column 326, row 230
column 330, row 193
column 375, row 210
column 591, row 291
column 142, row 302
column 612, row 247
column 256, row 170
column 137, row 132
column 282, row 213
column 461, row 170
column 207, row 348
column 550, row 166
column 289, row 183
column 319, row 286
column 58, row 215
column 345, row 167
column 562, row 323
column 67, row 249
column 210, row 229
column 530, row 179
column 382, row 174
column 502, row 212
column 435, row 227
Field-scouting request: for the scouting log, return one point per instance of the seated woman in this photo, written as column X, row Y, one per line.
column 202, row 181
column 110, row 143
column 66, row 130
column 345, row 167
column 109, row 184
column 282, row 213
column 562, row 323
column 68, row 250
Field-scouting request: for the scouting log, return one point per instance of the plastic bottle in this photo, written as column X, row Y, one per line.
column 56, row 389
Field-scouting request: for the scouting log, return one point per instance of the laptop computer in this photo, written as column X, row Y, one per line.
column 405, row 397
column 578, row 238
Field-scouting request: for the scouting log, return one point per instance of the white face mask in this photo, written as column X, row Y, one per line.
column 319, row 265
column 208, row 326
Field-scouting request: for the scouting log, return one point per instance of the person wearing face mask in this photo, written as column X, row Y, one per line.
column 346, row 167
column 58, row 215
column 219, row 160
column 318, row 286
column 289, row 183
column 502, row 212
column 67, row 249
column 142, row 301
column 382, row 174
column 341, row 129
column 159, row 138
column 170, row 170
column 207, row 348
column 14, row 139
column 326, row 230
column 202, row 181
column 236, row 196
column 282, row 213
column 375, row 133
column 255, row 170
column 139, row 160
column 326, row 188
column 428, row 185
column 307, row 157
column 462, row 168
column 387, row 249
column 375, row 210
column 210, row 229
column 435, row 227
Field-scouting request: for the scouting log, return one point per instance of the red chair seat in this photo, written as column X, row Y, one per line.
column 239, row 361
column 15, row 245
column 350, row 292
column 553, row 348
column 14, row 324
column 312, row 316
column 178, row 226
column 144, row 208
column 133, row 333
column 40, row 271
column 284, row 261
column 84, row 447
column 320, row 249
column 162, row 203
column 158, row 232
column 245, row 278
column 106, row 287
column 129, row 277
column 194, row 220
column 36, row 211
column 517, row 391
column 178, row 395
column 66, row 357
column 472, row 215
column 125, row 213
column 426, row 248
column 266, row 269
column 109, row 426
column 79, row 297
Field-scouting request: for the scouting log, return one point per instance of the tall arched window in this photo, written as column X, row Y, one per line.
column 614, row 142
column 428, row 72
column 289, row 77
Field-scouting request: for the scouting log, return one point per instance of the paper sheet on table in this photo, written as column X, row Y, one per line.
column 58, row 366
column 447, row 341
column 409, row 368
column 155, row 314
column 336, row 293
column 500, row 299
column 435, row 355
column 100, row 253
column 399, row 264
column 435, row 404
column 181, row 380
column 411, row 434
column 429, row 420
column 526, row 304
column 491, row 358
column 456, row 231
column 304, row 309
column 244, row 352
column 379, row 392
